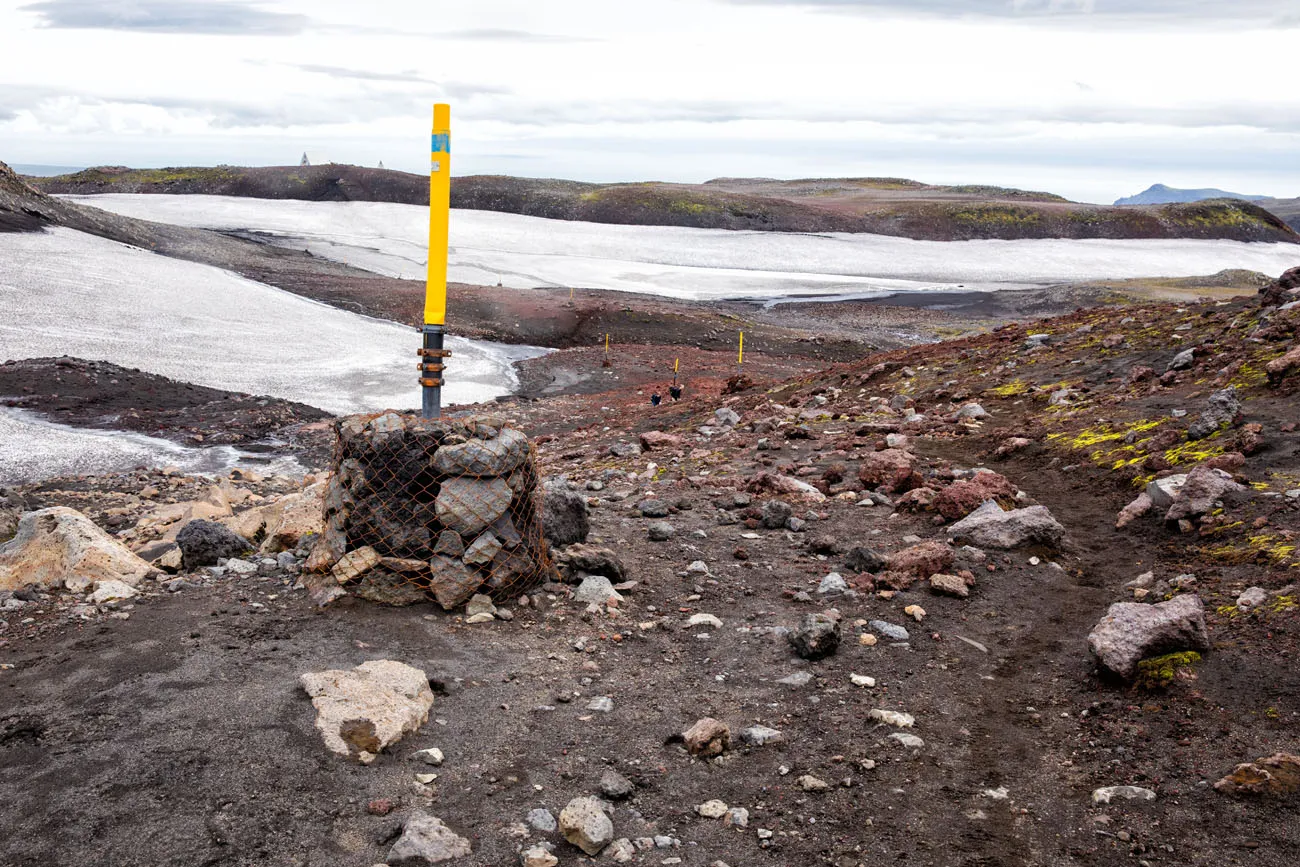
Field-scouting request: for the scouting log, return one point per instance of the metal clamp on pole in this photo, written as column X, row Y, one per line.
column 431, row 371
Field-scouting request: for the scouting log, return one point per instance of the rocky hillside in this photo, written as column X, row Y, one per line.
column 887, row 206
column 1287, row 209
column 1024, row 598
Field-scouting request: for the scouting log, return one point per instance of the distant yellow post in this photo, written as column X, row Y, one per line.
column 740, row 359
column 435, row 294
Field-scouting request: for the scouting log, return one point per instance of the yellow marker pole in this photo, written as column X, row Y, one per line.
column 606, row 345
column 435, row 296
column 570, row 293
column 740, row 359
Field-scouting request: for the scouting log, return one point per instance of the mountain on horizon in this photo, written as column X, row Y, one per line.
column 1159, row 194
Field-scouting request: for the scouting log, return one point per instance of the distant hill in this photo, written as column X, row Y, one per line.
column 885, row 206
column 1287, row 209
column 1159, row 194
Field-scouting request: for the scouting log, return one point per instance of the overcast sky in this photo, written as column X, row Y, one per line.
column 1092, row 99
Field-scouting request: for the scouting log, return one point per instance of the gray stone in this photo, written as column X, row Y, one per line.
column 1183, row 360
column 449, row 544
column 1198, row 494
column 1162, row 491
column 616, row 786
column 566, row 518
column 972, row 410
column 1224, row 407
column 889, row 630
column 469, row 506
column 799, row 678
column 584, row 824
column 1252, row 597
column 776, row 513
column 481, row 551
column 596, row 589
column 480, row 604
column 757, row 736
column 653, row 509
column 661, row 531
column 591, row 559
column 426, row 840
column 625, row 450
column 833, row 583
column 452, row 582
column 505, row 531
column 388, row 588
column 862, row 559
column 990, row 527
column 203, row 543
column 1131, row 632
column 483, row 458
column 817, row 637
column 726, row 417
column 542, row 820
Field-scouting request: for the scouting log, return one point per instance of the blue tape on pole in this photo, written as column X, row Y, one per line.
column 441, row 143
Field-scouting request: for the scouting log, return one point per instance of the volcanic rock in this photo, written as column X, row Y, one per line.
column 565, row 515
column 1131, row 632
column 203, row 543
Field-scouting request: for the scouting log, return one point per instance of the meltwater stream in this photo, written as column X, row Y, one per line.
column 32, row 449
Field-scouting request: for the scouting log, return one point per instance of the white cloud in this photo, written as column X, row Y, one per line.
column 990, row 91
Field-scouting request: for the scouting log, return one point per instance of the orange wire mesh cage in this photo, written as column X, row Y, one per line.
column 441, row 508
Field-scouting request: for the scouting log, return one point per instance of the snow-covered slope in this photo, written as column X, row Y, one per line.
column 523, row 252
column 63, row 292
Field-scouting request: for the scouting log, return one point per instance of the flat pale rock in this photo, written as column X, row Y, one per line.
column 61, row 547
column 990, row 527
column 362, row 711
column 426, row 840
column 1107, row 794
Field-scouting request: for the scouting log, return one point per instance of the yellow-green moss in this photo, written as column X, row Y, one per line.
column 1160, row 672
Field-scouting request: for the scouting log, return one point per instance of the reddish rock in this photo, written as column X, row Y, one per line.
column 890, row 471
column 1140, row 373
column 916, row 500
column 708, row 737
column 1134, row 510
column 961, row 498
column 1279, row 368
column 1012, row 445
column 923, row 560
column 657, row 440
column 380, row 807
column 1229, row 462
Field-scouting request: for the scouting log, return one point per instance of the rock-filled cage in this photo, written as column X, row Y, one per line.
column 441, row 508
